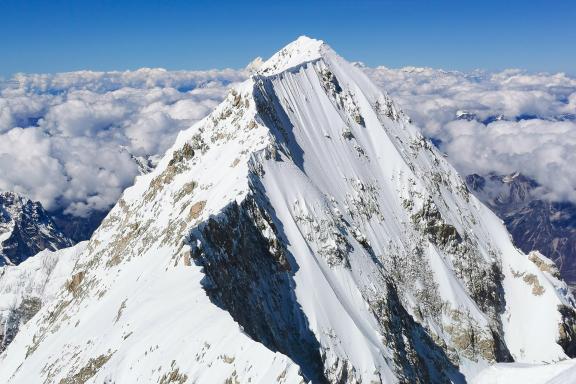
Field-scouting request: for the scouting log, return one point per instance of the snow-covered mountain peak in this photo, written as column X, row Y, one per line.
column 301, row 50
column 303, row 231
column 255, row 65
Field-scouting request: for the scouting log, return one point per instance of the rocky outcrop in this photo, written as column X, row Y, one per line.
column 15, row 318
column 25, row 288
column 534, row 223
column 26, row 229
column 567, row 330
column 417, row 357
column 249, row 274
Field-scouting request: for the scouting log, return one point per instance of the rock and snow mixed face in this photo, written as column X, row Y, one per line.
column 26, row 229
column 533, row 222
column 25, row 288
column 304, row 230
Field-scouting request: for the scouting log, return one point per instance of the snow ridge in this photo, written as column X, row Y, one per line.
column 298, row 52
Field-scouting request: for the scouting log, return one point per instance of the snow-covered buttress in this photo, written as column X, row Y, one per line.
column 303, row 231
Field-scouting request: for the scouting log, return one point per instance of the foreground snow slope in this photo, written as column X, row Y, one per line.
column 563, row 372
column 304, row 230
column 34, row 283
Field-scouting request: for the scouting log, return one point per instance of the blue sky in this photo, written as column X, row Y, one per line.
column 58, row 35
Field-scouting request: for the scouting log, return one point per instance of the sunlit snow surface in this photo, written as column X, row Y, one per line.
column 344, row 175
column 563, row 372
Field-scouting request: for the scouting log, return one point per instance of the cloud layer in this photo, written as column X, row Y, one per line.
column 69, row 140
column 495, row 122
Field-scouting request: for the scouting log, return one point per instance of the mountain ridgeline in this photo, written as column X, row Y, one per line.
column 303, row 231
column 534, row 223
column 26, row 229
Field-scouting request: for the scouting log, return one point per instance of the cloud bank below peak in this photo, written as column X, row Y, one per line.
column 69, row 140
column 500, row 122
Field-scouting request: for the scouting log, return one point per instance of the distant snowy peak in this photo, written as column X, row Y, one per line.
column 534, row 222
column 303, row 231
column 26, row 229
column 465, row 115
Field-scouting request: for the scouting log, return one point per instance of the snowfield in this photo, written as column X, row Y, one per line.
column 28, row 286
column 303, row 231
column 558, row 373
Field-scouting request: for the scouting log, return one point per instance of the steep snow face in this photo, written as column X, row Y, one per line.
column 26, row 229
column 304, row 230
column 25, row 288
column 361, row 182
column 138, row 310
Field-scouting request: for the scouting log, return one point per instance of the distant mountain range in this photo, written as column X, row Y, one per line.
column 26, row 229
column 534, row 223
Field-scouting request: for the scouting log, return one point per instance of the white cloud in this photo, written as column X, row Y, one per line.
column 27, row 166
column 541, row 149
column 66, row 139
column 537, row 135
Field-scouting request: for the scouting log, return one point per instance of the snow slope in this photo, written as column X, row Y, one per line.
column 30, row 285
column 557, row 373
column 304, row 230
